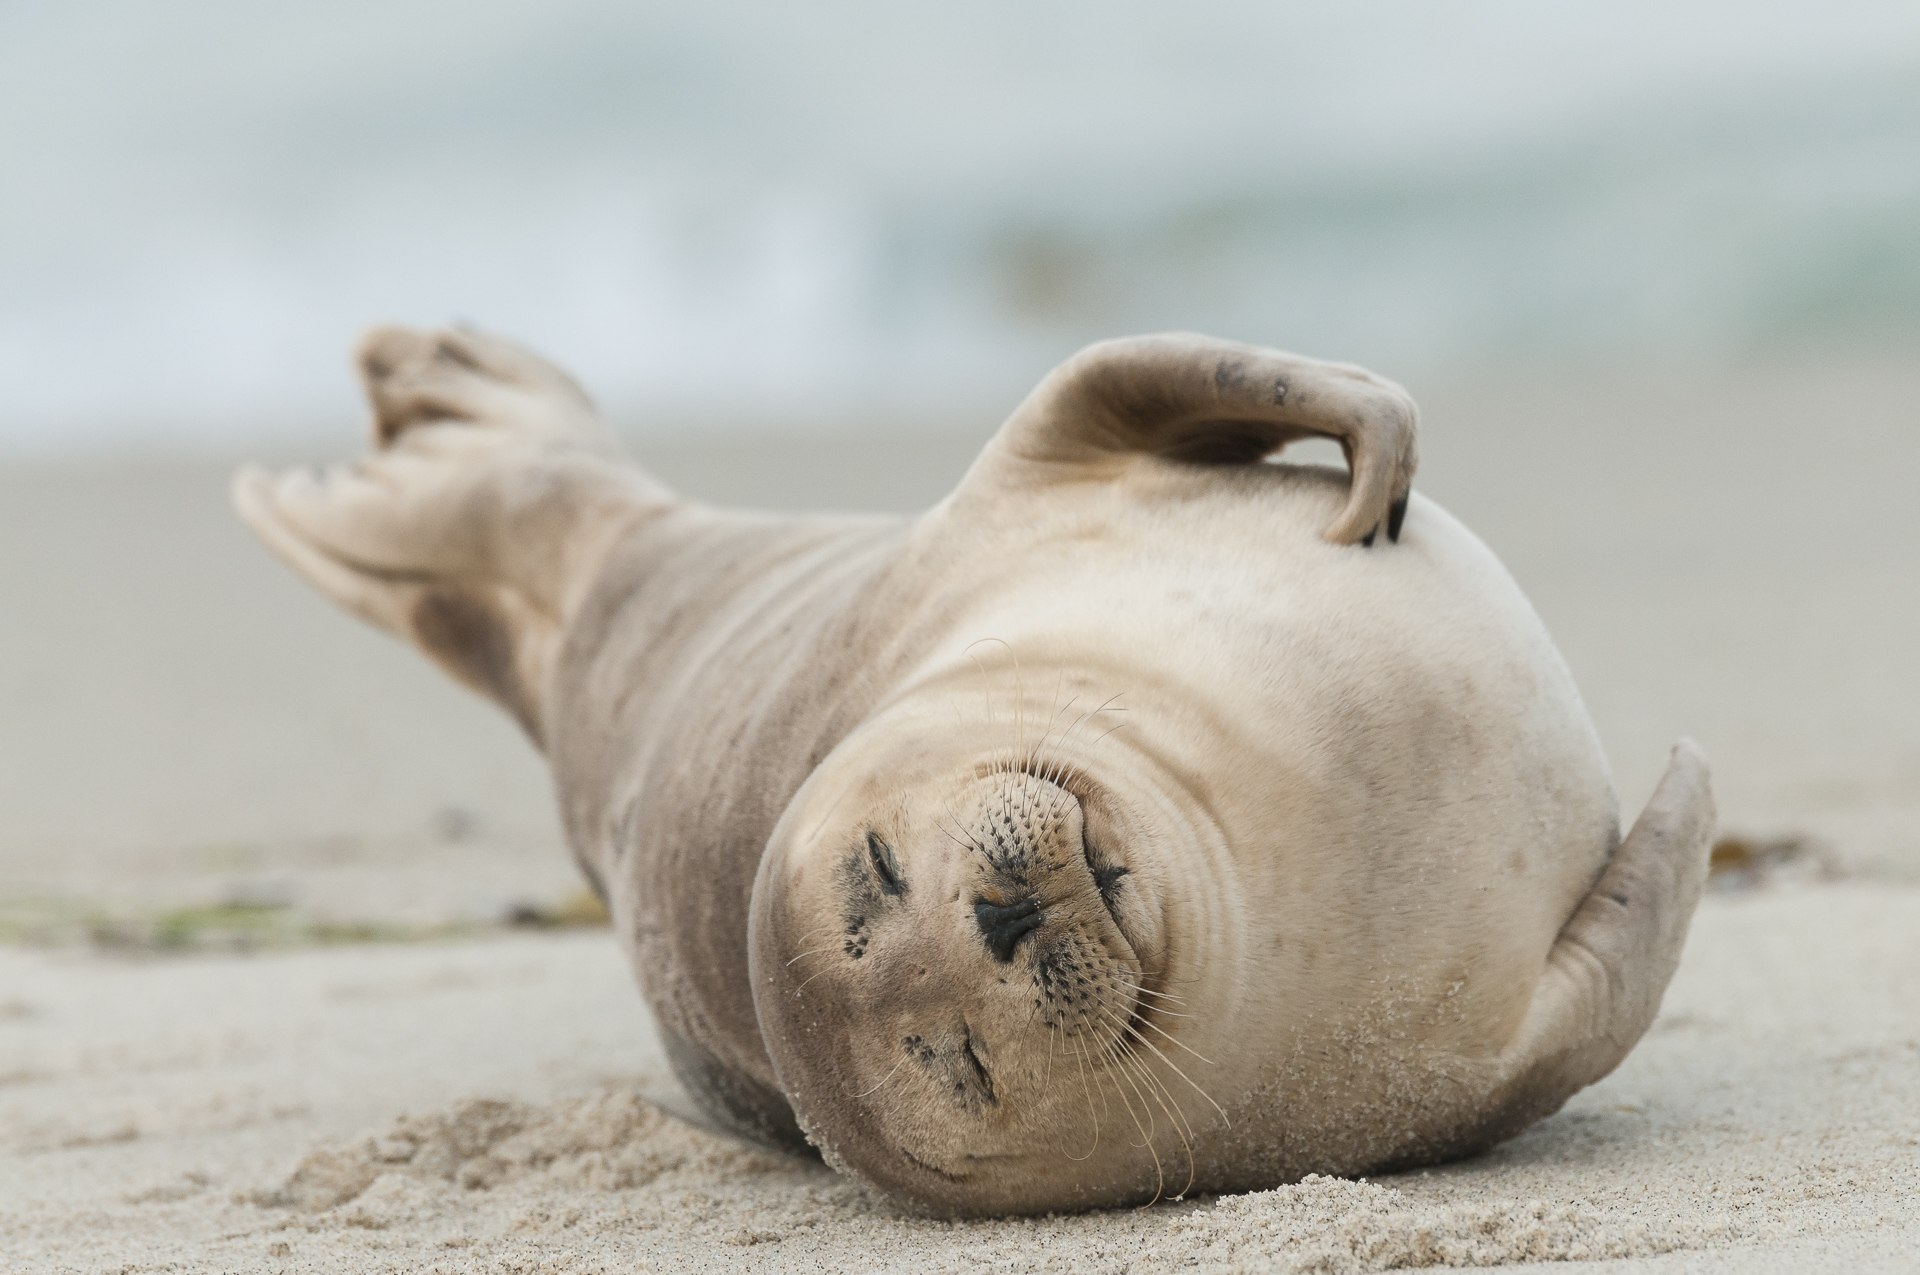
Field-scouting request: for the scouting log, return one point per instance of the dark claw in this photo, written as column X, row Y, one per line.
column 1396, row 515
column 1366, row 541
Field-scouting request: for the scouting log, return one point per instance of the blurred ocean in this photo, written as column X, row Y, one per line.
column 742, row 214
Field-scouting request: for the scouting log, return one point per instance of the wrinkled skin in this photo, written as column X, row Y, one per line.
column 1144, row 818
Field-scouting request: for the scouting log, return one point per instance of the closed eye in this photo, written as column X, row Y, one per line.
column 885, row 866
column 1106, row 875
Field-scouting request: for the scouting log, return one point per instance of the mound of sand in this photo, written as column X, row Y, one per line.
column 593, row 1175
column 502, row 1106
column 596, row 1183
column 608, row 1142
column 1327, row 1224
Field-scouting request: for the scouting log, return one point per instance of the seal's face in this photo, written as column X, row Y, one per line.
column 971, row 973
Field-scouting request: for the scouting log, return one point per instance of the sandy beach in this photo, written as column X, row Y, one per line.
column 295, row 974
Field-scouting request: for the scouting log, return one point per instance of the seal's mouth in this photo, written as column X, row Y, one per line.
column 1103, row 864
column 1007, row 916
column 934, row 1169
column 972, row 1159
column 1107, row 878
column 1110, row 872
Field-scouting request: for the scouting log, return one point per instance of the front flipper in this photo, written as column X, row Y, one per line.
column 1612, row 962
column 1194, row 398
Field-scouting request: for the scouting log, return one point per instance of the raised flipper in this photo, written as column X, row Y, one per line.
column 1195, row 398
column 475, row 523
column 1612, row 962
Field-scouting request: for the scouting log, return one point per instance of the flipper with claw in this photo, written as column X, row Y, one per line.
column 1194, row 398
column 473, row 526
column 1610, row 967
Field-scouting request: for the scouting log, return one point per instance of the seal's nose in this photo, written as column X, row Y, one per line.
column 1006, row 926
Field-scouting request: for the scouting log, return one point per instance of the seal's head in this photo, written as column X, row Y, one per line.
column 961, row 969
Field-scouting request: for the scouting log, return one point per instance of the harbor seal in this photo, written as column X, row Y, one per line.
column 1146, row 817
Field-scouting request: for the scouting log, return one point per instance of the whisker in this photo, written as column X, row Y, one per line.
column 1224, row 1117
column 883, row 1080
column 1104, row 707
column 970, row 841
column 1179, row 1000
column 815, row 952
column 1157, row 1009
column 1183, row 1044
column 1091, row 1114
column 1147, row 1132
column 1019, row 702
column 809, row 978
column 1034, row 755
column 956, row 841
column 1053, row 716
column 1160, row 1174
column 1178, row 1072
column 1181, row 1130
column 986, row 693
column 1161, row 1098
column 987, row 688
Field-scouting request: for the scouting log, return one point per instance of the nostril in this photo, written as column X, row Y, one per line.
column 1004, row 927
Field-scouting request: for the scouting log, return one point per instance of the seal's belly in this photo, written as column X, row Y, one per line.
column 1408, row 796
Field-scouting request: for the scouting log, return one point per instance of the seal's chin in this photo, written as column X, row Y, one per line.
column 957, row 980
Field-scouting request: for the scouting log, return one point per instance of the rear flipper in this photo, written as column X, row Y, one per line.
column 475, row 525
column 1612, row 962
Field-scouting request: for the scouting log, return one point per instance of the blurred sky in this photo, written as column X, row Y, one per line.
column 741, row 213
